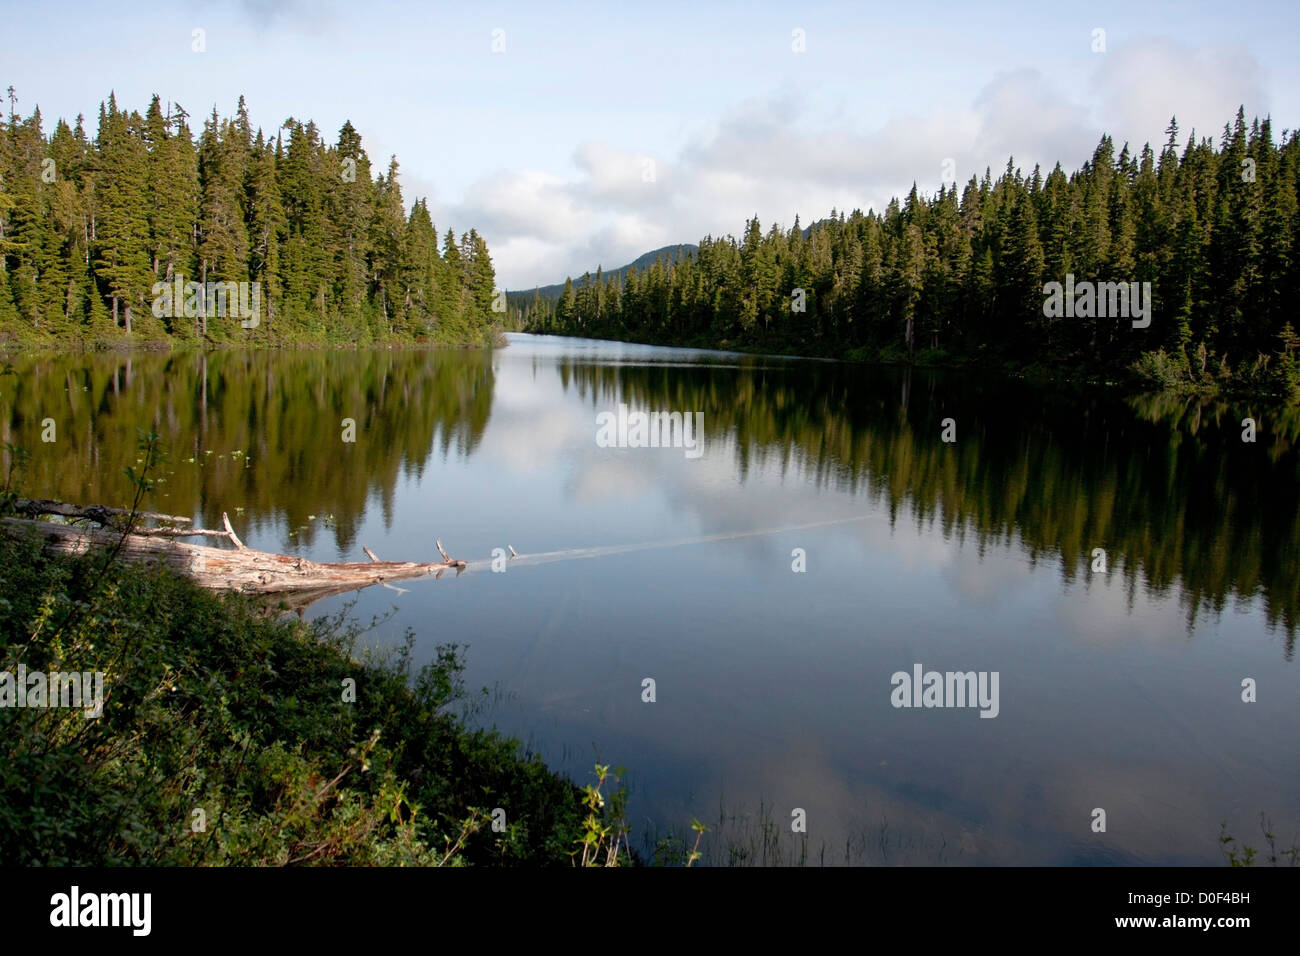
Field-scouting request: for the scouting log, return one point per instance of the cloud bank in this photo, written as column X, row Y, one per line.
column 768, row 157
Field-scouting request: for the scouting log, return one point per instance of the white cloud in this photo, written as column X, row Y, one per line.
column 1021, row 115
column 1143, row 84
column 770, row 157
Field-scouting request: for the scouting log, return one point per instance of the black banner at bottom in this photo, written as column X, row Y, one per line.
column 332, row 906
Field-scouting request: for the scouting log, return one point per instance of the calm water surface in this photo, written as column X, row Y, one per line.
column 1119, row 690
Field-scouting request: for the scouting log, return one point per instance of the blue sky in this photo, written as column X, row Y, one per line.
column 546, row 146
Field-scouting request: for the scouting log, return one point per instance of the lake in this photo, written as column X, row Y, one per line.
column 782, row 577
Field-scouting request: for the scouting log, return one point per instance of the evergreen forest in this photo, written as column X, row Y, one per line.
column 959, row 277
column 91, row 230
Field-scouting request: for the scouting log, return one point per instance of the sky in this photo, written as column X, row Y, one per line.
column 573, row 135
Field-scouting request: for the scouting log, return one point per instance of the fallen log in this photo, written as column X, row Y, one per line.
column 240, row 568
column 97, row 513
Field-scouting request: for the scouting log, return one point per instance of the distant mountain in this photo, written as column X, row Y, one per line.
column 641, row 263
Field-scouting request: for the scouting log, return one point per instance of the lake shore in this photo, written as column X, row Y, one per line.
column 49, row 346
column 224, row 737
column 1155, row 378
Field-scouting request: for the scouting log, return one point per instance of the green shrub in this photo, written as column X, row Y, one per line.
column 210, row 706
column 1160, row 370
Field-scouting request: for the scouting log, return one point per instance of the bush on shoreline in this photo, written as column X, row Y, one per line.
column 226, row 737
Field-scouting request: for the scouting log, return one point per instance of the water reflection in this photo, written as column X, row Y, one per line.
column 1164, row 484
column 258, row 434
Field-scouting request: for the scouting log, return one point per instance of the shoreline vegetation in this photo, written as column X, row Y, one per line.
column 222, row 736
column 230, row 739
column 494, row 338
column 149, row 236
column 1209, row 236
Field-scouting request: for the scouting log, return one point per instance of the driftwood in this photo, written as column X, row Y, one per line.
column 97, row 513
column 238, row 568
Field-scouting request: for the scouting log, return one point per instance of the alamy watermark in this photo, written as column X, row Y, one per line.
column 1087, row 300
column 241, row 300
column 950, row 689
column 75, row 908
column 26, row 688
column 639, row 429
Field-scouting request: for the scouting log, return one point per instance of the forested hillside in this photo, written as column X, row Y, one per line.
column 90, row 229
column 520, row 300
column 960, row 276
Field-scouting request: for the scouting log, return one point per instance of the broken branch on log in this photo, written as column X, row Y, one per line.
column 447, row 559
column 225, row 520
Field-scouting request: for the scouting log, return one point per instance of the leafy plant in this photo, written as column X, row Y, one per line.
column 1245, row 855
column 604, row 838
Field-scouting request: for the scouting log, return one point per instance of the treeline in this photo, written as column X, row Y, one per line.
column 89, row 228
column 960, row 276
